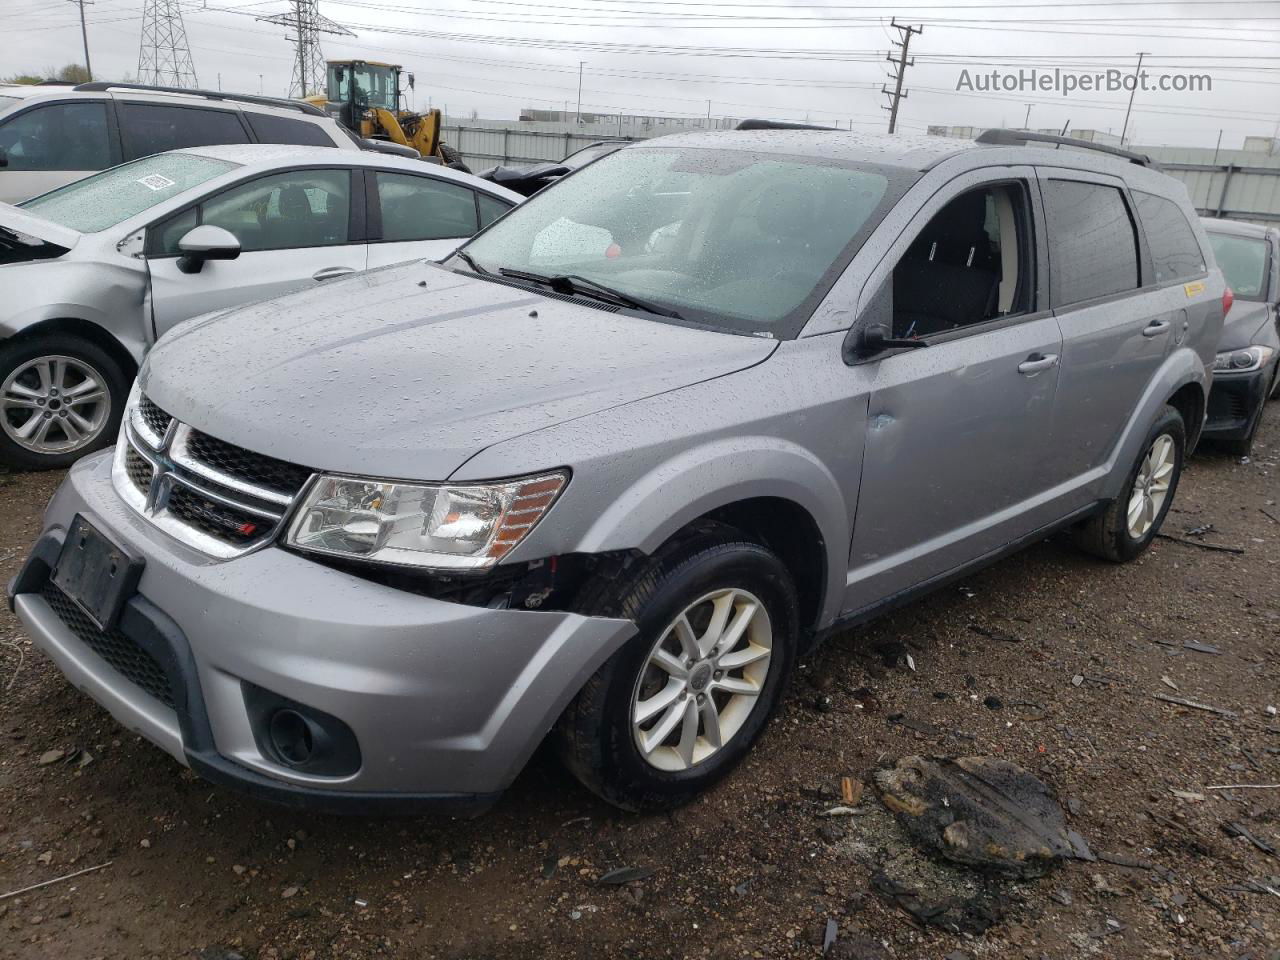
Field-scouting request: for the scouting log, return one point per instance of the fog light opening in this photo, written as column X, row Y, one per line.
column 291, row 737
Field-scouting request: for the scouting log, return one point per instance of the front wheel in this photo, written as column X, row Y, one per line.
column 679, row 706
column 60, row 398
column 1130, row 522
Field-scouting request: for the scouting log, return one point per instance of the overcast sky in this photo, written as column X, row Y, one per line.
column 824, row 62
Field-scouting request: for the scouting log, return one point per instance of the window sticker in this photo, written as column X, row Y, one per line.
column 155, row 181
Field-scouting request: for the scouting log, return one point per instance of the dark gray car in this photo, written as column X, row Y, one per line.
column 1247, row 371
column 613, row 466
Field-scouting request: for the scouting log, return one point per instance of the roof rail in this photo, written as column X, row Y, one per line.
column 1012, row 138
column 101, row 85
column 778, row 125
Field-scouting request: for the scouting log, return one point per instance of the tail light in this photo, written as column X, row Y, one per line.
column 1228, row 298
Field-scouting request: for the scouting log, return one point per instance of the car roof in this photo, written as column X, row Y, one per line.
column 893, row 150
column 65, row 91
column 270, row 156
column 1236, row 227
column 25, row 91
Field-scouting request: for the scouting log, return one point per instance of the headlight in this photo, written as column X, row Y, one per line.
column 444, row 526
column 1242, row 361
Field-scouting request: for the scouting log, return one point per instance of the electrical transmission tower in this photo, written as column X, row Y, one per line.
column 900, row 64
column 307, row 23
column 164, row 57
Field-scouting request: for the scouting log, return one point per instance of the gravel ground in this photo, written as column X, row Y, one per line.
column 1049, row 659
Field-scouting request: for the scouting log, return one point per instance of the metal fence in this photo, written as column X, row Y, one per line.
column 1234, row 184
column 485, row 146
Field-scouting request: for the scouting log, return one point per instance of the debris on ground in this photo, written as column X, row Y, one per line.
column 981, row 812
column 1182, row 702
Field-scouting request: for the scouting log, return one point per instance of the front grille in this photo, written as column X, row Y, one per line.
column 214, row 519
column 256, row 469
column 221, row 499
column 139, row 470
column 157, row 420
column 129, row 660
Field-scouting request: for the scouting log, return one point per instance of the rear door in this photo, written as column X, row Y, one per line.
column 421, row 217
column 1118, row 323
column 952, row 467
column 50, row 144
column 296, row 228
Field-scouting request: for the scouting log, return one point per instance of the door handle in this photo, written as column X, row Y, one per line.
column 328, row 273
column 1037, row 363
column 1155, row 328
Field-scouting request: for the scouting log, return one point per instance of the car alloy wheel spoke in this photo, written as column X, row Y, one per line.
column 1151, row 486
column 702, row 679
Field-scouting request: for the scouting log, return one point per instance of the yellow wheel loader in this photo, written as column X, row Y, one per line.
column 364, row 96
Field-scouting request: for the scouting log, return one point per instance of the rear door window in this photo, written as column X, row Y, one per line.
column 1175, row 254
column 272, row 129
column 1093, row 248
column 60, row 136
column 156, row 127
column 424, row 208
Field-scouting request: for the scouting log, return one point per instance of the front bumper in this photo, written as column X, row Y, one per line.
column 1235, row 403
column 446, row 701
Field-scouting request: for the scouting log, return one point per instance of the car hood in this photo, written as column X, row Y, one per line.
column 1245, row 324
column 20, row 231
column 408, row 371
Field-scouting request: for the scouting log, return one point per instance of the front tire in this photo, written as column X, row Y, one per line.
column 61, row 397
column 679, row 706
column 1130, row 522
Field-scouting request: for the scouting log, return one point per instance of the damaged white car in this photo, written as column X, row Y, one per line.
column 91, row 274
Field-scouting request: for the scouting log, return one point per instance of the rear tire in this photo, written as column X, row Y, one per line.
column 610, row 736
column 61, row 397
column 1116, row 534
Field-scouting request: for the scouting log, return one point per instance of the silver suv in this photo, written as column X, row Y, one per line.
column 611, row 468
column 52, row 134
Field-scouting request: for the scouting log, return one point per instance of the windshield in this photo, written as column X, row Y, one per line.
column 746, row 242
column 374, row 86
column 1244, row 263
column 113, row 196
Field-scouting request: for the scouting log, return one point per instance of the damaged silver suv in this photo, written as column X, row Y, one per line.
column 607, row 471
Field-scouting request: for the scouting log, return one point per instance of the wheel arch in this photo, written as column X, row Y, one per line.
column 96, row 334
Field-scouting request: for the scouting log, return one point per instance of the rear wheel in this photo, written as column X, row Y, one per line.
column 60, row 398
column 679, row 706
column 1130, row 522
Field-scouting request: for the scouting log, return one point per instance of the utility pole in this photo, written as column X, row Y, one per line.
column 578, row 118
column 84, row 34
column 307, row 23
column 1026, row 124
column 1137, row 70
column 900, row 63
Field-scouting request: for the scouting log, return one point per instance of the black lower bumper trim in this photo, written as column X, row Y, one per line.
column 1235, row 404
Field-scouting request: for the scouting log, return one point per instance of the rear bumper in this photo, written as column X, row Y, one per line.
column 1235, row 403
column 445, row 702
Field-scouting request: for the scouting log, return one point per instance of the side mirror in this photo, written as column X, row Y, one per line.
column 875, row 340
column 203, row 243
column 872, row 334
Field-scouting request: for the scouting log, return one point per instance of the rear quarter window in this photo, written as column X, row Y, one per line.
column 1093, row 248
column 1175, row 253
column 156, row 127
column 272, row 129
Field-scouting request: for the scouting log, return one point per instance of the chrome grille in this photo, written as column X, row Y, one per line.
column 215, row 496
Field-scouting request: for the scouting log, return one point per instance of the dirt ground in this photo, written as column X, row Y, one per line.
column 1050, row 660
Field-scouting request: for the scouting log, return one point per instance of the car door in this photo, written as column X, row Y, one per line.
column 1117, row 323
column 52, row 144
column 419, row 216
column 296, row 228
column 955, row 429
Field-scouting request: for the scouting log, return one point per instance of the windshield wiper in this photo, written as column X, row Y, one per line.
column 574, row 284
column 469, row 261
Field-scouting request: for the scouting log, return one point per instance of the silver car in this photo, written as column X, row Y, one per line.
column 609, row 470
column 96, row 271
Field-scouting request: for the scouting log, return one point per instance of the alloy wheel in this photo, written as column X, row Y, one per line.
column 702, row 679
column 1151, row 486
column 54, row 404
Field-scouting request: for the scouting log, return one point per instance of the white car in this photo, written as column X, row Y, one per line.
column 52, row 134
column 95, row 271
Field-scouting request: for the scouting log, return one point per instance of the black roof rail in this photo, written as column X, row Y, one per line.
column 1014, row 138
column 102, row 85
column 778, row 125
